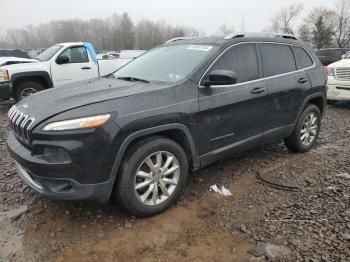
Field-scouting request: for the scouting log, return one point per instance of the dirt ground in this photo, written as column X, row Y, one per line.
column 257, row 223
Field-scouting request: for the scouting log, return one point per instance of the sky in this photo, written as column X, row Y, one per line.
column 204, row 15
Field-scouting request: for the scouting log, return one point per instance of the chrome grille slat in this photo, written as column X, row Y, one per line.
column 342, row 73
column 21, row 124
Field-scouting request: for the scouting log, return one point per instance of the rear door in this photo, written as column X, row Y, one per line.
column 233, row 114
column 80, row 67
column 286, row 87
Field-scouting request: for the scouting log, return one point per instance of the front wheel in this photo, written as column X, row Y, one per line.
column 152, row 176
column 306, row 131
column 26, row 89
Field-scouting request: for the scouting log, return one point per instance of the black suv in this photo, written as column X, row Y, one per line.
column 135, row 134
column 331, row 55
column 13, row 53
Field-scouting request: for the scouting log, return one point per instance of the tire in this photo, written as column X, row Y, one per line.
column 331, row 102
column 294, row 142
column 130, row 197
column 26, row 89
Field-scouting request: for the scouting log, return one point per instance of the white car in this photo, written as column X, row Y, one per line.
column 58, row 65
column 339, row 80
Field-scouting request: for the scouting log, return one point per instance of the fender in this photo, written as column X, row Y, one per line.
column 307, row 99
column 43, row 74
column 154, row 130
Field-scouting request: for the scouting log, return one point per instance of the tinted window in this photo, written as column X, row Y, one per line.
column 303, row 57
column 277, row 59
column 76, row 54
column 323, row 53
column 241, row 59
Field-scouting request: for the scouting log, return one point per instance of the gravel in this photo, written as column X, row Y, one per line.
column 277, row 225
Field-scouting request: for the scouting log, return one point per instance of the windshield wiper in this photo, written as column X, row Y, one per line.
column 132, row 79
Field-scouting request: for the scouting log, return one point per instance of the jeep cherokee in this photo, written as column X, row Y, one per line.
column 137, row 133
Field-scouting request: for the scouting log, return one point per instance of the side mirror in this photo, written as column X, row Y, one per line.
column 343, row 56
column 221, row 77
column 62, row 59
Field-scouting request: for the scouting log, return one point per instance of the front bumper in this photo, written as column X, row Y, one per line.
column 66, row 189
column 5, row 90
column 62, row 181
column 338, row 90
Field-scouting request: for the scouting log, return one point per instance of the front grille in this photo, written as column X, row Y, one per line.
column 342, row 73
column 21, row 125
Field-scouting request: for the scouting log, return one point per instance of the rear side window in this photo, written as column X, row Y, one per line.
column 241, row 59
column 277, row 59
column 303, row 57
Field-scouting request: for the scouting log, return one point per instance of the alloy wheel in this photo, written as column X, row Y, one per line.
column 27, row 92
column 157, row 178
column 309, row 129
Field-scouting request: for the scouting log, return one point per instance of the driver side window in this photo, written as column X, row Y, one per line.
column 242, row 59
column 77, row 54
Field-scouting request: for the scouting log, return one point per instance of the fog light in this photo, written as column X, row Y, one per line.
column 56, row 155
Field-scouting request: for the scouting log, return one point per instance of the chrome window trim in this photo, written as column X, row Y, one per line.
column 260, row 79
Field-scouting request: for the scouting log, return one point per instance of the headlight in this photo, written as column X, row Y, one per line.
column 78, row 123
column 330, row 71
column 4, row 75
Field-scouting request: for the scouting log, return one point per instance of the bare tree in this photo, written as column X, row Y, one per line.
column 342, row 23
column 304, row 33
column 282, row 20
column 224, row 30
column 321, row 22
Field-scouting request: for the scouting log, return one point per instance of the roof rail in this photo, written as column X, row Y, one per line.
column 180, row 38
column 244, row 34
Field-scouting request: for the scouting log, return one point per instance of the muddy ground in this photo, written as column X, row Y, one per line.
column 310, row 224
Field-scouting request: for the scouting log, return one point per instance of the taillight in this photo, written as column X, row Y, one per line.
column 325, row 70
column 329, row 71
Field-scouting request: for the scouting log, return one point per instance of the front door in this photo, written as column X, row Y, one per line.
column 80, row 67
column 233, row 115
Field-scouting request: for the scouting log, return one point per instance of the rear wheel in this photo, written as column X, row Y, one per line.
column 152, row 176
column 26, row 89
column 306, row 131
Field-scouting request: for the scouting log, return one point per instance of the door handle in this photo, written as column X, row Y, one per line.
column 86, row 68
column 302, row 80
column 258, row 90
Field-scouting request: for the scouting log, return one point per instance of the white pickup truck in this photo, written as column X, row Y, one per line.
column 338, row 83
column 58, row 65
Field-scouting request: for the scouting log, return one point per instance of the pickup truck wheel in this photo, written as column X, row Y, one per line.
column 306, row 131
column 331, row 102
column 26, row 89
column 152, row 176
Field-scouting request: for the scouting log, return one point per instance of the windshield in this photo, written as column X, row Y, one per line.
column 48, row 53
column 347, row 56
column 169, row 63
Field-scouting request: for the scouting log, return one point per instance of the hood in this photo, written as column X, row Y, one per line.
column 57, row 100
column 341, row 63
column 27, row 67
column 4, row 60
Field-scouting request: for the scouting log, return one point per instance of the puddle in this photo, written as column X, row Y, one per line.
column 178, row 234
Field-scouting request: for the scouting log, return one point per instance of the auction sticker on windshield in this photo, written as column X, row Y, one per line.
column 205, row 48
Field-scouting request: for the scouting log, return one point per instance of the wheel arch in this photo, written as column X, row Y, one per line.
column 176, row 132
column 40, row 77
column 317, row 99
